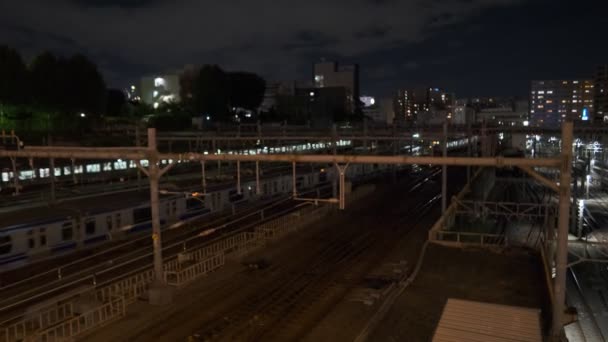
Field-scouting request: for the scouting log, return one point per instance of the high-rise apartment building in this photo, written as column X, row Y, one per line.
column 600, row 100
column 410, row 104
column 333, row 75
column 553, row 101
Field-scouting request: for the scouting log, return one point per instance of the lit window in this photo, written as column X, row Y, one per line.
column 93, row 168
column 549, row 91
column 155, row 105
column 549, row 101
column 155, row 93
column 574, row 111
column 541, row 91
column 159, row 82
column 575, row 82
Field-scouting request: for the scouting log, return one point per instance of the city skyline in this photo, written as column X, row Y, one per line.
column 473, row 48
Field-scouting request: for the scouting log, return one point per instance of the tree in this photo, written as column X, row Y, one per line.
column 46, row 82
column 84, row 86
column 116, row 102
column 211, row 93
column 246, row 90
column 13, row 77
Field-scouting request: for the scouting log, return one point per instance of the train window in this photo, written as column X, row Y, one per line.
column 193, row 203
column 44, row 173
column 42, row 236
column 141, row 215
column 89, row 227
column 120, row 165
column 107, row 166
column 30, row 239
column 5, row 245
column 93, row 168
column 67, row 233
column 118, row 220
column 109, row 222
column 57, row 171
column 5, row 177
column 67, row 171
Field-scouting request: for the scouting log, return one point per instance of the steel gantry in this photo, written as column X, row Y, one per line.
column 154, row 171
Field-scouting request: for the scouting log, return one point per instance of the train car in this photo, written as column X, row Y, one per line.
column 55, row 230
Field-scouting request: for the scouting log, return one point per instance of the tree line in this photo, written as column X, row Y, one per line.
column 51, row 90
column 54, row 93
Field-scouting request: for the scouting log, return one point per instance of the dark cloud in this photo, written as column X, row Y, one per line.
column 279, row 39
column 115, row 3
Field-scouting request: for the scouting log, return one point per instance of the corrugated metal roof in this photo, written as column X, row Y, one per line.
column 468, row 321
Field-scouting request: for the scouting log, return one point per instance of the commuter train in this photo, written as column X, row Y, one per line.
column 49, row 231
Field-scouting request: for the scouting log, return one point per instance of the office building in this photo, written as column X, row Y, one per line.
column 600, row 101
column 333, row 75
column 553, row 101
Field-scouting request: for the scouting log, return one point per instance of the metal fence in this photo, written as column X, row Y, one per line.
column 81, row 324
column 193, row 272
column 21, row 329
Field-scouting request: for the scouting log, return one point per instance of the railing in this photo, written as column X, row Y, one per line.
column 20, row 330
column 78, row 325
column 462, row 238
column 193, row 272
column 129, row 288
column 447, row 219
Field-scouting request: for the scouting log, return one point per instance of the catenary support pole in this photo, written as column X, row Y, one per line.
column 258, row 191
column 137, row 144
column 444, row 169
column 293, row 180
column 52, row 172
column 15, row 176
column 562, row 234
column 204, row 177
column 159, row 293
column 238, row 177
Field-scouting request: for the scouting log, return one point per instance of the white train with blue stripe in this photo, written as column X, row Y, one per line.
column 51, row 230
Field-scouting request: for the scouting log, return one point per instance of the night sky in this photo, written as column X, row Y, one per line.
column 470, row 47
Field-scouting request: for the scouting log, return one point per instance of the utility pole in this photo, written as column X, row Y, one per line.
column 561, row 257
column 444, row 169
column 160, row 293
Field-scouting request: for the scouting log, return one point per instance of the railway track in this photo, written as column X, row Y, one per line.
column 132, row 255
column 295, row 295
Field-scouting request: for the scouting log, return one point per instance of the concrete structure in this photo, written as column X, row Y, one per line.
column 600, row 99
column 553, row 101
column 331, row 74
column 463, row 115
column 317, row 106
column 159, row 89
column 379, row 110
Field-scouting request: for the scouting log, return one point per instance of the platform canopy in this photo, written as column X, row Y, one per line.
column 469, row 321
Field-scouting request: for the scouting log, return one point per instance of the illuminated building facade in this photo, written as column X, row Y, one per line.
column 553, row 101
column 600, row 100
column 160, row 89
